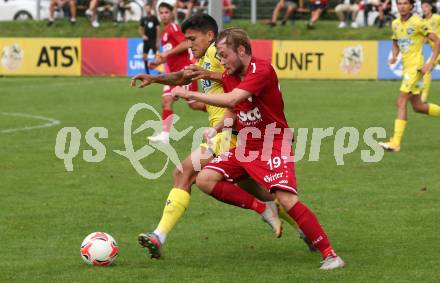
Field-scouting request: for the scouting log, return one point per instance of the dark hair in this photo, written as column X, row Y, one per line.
column 166, row 5
column 234, row 38
column 411, row 2
column 201, row 22
column 434, row 8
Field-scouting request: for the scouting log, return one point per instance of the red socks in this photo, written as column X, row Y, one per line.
column 166, row 120
column 231, row 194
column 309, row 224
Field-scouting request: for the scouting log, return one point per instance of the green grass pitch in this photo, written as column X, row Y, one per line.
column 382, row 218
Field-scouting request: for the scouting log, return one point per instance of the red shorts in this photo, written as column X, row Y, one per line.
column 278, row 172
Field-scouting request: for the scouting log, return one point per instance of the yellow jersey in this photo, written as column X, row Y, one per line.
column 410, row 36
column 211, row 62
column 434, row 23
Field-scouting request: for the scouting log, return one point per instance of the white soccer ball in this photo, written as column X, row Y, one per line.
column 99, row 248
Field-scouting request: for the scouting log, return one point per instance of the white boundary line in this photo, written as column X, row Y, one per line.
column 52, row 122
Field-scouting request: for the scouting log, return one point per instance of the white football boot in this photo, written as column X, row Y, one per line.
column 332, row 262
column 162, row 137
column 270, row 216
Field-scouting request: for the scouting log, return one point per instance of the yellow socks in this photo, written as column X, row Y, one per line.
column 177, row 203
column 433, row 110
column 399, row 129
column 427, row 78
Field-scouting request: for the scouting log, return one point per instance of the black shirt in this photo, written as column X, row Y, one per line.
column 149, row 23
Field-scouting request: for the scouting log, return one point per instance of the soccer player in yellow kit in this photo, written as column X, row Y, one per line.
column 409, row 33
column 433, row 20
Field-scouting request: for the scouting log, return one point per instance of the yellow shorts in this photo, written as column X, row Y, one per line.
column 222, row 142
column 412, row 82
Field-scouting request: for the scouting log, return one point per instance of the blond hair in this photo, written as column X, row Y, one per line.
column 235, row 37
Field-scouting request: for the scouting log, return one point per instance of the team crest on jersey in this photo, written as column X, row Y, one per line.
column 410, row 31
column 404, row 44
column 165, row 36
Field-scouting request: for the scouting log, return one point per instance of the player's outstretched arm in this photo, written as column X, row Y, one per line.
column 434, row 53
column 175, row 78
column 228, row 100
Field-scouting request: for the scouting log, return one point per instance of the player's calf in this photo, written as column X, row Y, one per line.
column 311, row 227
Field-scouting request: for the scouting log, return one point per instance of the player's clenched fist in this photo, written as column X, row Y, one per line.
column 179, row 91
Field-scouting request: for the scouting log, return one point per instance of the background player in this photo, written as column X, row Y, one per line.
column 61, row 4
column 290, row 5
column 432, row 19
column 255, row 100
column 149, row 29
column 201, row 31
column 409, row 34
column 176, row 55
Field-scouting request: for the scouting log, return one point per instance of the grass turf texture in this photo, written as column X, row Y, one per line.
column 382, row 217
column 325, row 30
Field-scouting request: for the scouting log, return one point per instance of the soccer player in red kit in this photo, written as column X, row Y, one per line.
column 264, row 153
column 177, row 56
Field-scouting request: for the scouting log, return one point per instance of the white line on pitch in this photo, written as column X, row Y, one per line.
column 51, row 122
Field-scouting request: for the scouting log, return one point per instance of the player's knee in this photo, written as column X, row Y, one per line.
column 206, row 181
column 183, row 178
column 401, row 101
column 418, row 108
column 286, row 199
column 202, row 180
column 167, row 104
column 177, row 175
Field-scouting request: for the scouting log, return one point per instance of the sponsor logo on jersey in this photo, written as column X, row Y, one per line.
column 250, row 117
column 273, row 177
column 206, row 84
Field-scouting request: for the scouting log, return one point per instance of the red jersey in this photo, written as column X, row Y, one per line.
column 319, row 2
column 264, row 107
column 171, row 37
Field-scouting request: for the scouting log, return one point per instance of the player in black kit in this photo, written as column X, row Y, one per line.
column 149, row 29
